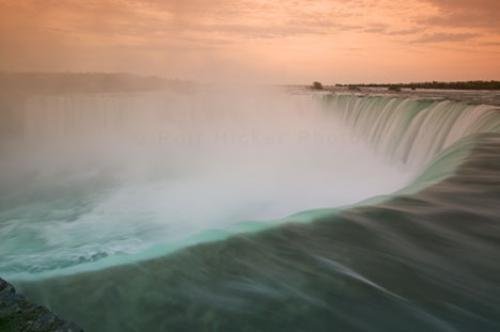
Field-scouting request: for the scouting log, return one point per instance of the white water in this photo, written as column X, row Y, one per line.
column 96, row 180
column 411, row 130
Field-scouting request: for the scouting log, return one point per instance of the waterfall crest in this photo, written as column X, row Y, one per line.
column 411, row 130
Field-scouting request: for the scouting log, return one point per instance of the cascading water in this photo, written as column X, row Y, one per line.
column 412, row 130
column 423, row 257
column 416, row 132
column 99, row 180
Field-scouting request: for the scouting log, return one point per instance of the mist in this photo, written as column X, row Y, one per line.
column 87, row 176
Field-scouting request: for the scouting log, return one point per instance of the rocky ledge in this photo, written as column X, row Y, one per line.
column 18, row 314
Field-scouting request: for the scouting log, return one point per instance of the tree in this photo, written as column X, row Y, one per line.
column 317, row 86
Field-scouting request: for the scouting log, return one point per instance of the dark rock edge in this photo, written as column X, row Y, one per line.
column 19, row 314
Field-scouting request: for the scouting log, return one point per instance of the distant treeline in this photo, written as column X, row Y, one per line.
column 464, row 85
column 83, row 82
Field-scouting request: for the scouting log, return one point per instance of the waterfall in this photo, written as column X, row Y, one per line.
column 423, row 258
column 91, row 180
column 411, row 130
column 112, row 178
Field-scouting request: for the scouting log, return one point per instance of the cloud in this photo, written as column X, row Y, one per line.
column 444, row 37
column 404, row 32
column 491, row 43
column 376, row 28
column 189, row 38
column 477, row 14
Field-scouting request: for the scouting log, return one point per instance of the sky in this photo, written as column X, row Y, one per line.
column 293, row 41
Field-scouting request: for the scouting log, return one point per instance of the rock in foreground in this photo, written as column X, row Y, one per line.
column 18, row 314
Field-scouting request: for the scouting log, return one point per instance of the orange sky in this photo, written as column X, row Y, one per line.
column 294, row 41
